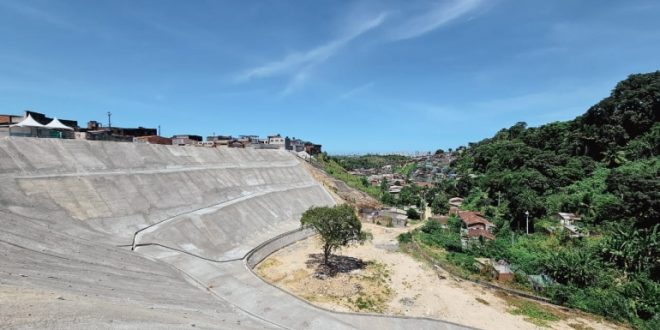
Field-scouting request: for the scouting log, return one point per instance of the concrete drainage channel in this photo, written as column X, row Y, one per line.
column 265, row 249
column 235, row 282
column 245, row 197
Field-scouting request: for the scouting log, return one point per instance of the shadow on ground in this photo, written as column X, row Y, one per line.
column 336, row 264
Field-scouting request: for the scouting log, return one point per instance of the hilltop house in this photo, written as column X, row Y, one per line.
column 312, row 148
column 95, row 131
column 219, row 140
column 476, row 225
column 277, row 140
column 295, row 145
column 153, row 139
column 186, row 140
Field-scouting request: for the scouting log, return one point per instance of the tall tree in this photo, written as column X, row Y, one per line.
column 338, row 226
column 440, row 204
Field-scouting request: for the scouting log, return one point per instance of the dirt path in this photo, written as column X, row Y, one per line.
column 394, row 283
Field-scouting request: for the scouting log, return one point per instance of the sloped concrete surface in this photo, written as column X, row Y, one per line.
column 122, row 235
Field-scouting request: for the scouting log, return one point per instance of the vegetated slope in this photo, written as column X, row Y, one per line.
column 335, row 170
column 66, row 206
column 604, row 166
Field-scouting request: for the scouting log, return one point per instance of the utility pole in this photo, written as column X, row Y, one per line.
column 109, row 122
column 527, row 221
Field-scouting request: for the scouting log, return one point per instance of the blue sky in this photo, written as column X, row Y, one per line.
column 356, row 76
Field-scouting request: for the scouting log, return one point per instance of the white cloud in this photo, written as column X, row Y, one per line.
column 434, row 18
column 298, row 65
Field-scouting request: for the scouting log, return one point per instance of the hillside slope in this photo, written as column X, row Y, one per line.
column 123, row 235
column 603, row 166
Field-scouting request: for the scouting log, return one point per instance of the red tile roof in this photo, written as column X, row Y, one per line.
column 472, row 218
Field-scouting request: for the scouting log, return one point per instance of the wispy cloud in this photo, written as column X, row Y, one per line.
column 298, row 65
column 37, row 14
column 355, row 91
column 433, row 18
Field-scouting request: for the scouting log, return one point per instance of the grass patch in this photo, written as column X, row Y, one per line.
column 535, row 313
column 268, row 263
column 374, row 291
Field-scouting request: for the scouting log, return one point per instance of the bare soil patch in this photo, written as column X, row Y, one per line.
column 374, row 277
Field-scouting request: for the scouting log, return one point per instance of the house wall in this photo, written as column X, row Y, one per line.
column 505, row 277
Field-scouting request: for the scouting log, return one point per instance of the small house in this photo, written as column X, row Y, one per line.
column 153, row 139
column 568, row 218
column 500, row 270
column 569, row 222
column 476, row 225
column 456, row 201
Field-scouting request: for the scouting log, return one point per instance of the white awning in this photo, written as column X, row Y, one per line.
column 57, row 124
column 28, row 122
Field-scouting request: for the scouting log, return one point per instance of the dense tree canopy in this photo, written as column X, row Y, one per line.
column 603, row 166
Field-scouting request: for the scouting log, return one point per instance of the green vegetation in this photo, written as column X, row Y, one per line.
column 413, row 214
column 407, row 169
column 338, row 226
column 533, row 312
column 603, row 166
column 440, row 204
column 374, row 291
column 335, row 170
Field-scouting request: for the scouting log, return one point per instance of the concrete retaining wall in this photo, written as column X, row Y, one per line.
column 264, row 250
column 219, row 203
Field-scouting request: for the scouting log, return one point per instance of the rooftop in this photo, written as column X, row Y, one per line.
column 472, row 218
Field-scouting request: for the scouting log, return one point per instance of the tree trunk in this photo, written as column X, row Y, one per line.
column 326, row 254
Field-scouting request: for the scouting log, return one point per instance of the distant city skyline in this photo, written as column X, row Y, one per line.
column 354, row 76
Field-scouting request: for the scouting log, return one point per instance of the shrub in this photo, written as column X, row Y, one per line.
column 463, row 260
column 405, row 237
column 412, row 214
column 431, row 227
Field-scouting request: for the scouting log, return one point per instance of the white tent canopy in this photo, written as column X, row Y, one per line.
column 28, row 122
column 57, row 124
